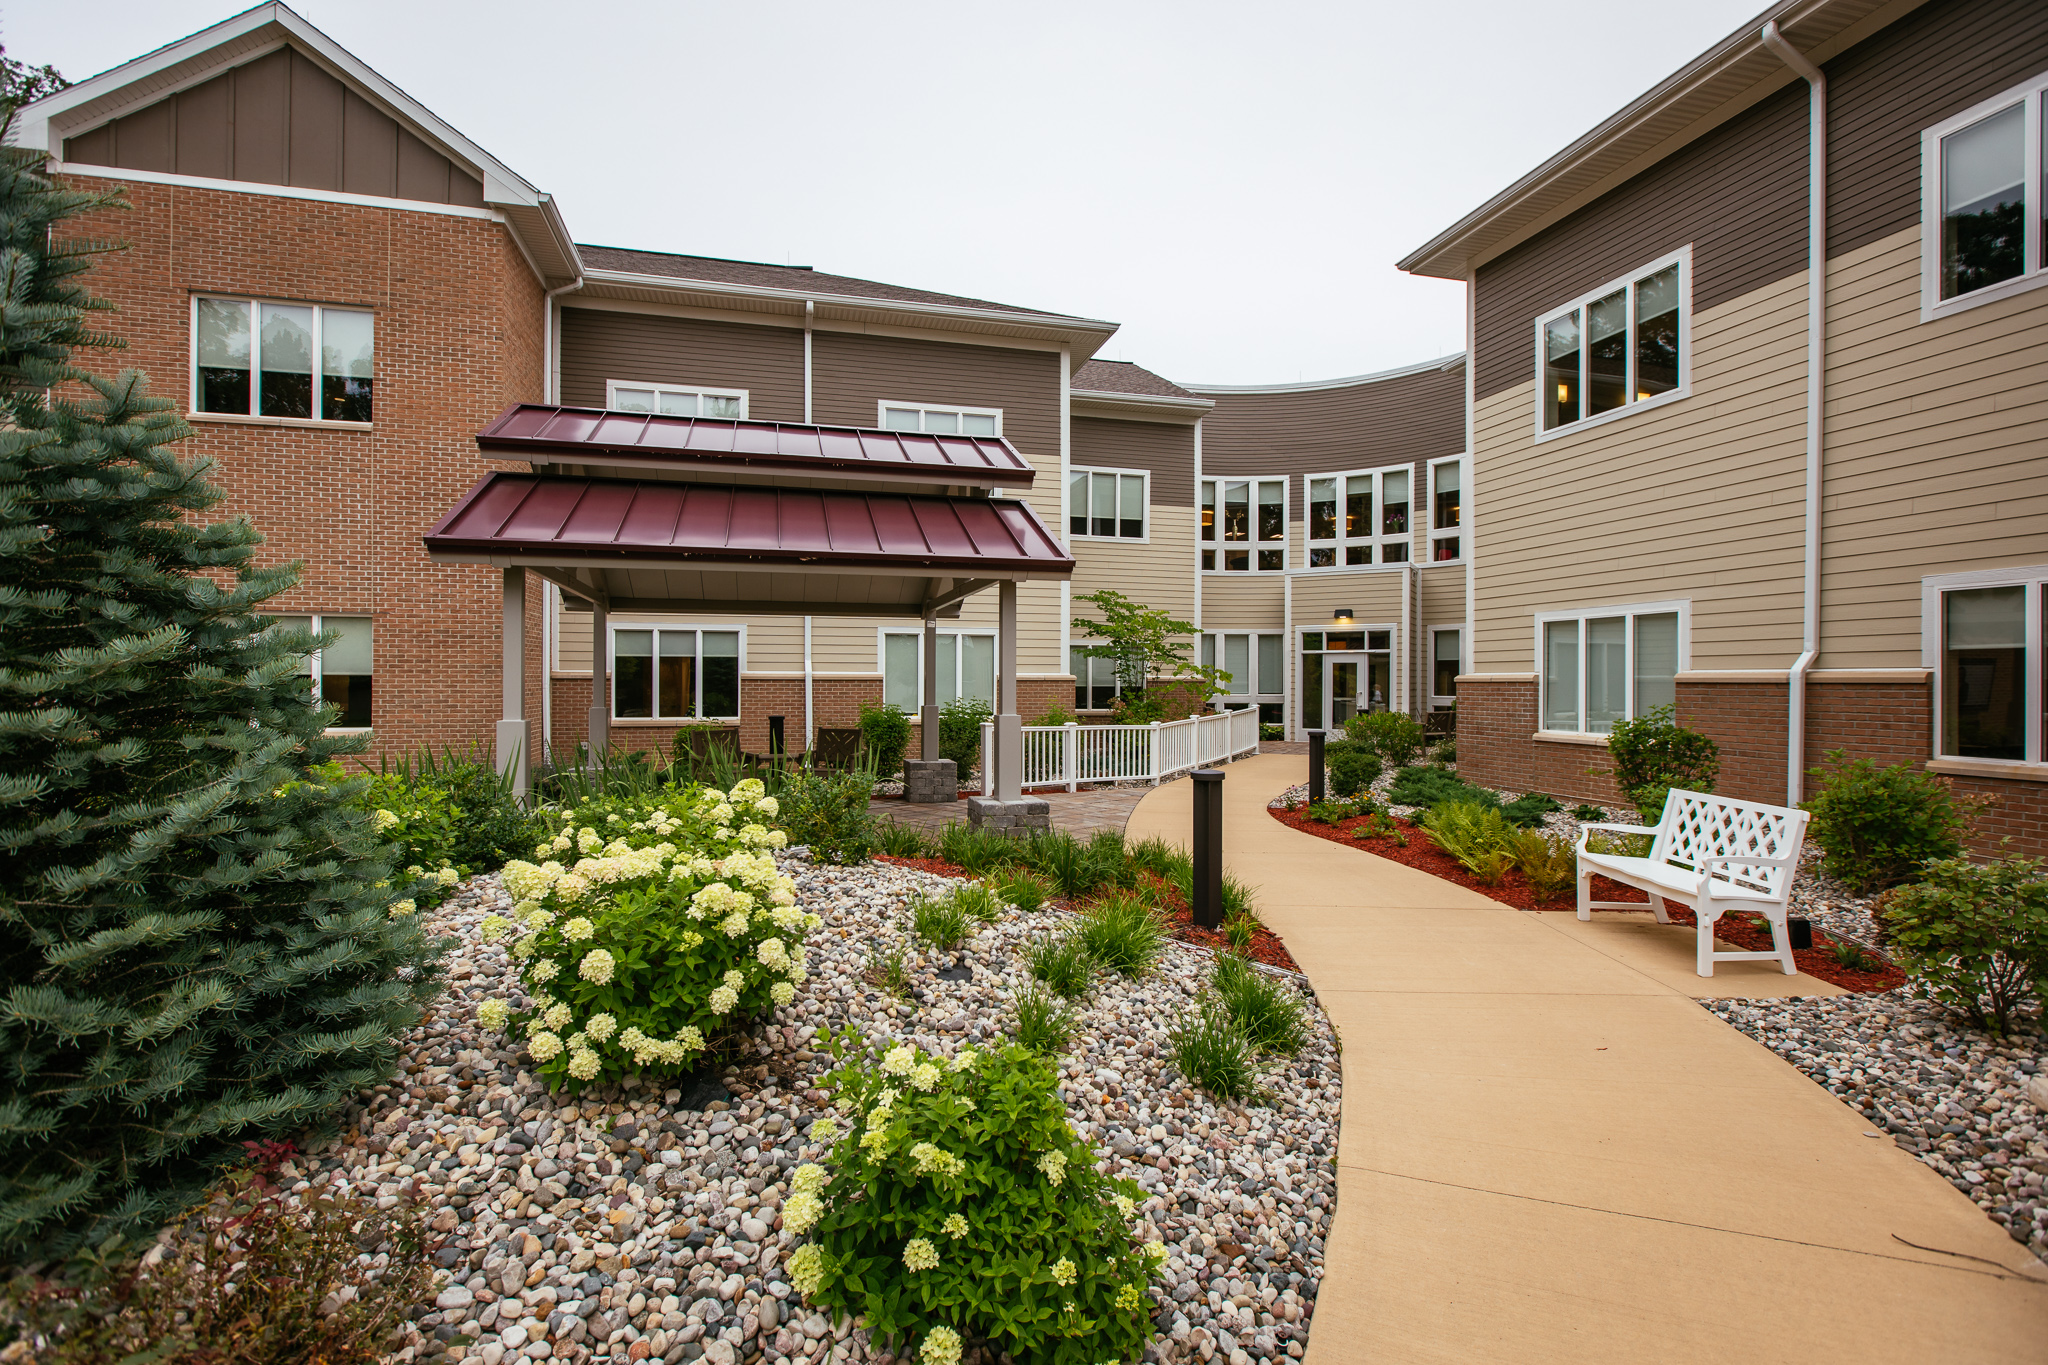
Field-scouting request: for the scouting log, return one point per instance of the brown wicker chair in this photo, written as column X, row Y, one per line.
column 697, row 741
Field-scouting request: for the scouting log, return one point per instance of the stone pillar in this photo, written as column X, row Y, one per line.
column 510, row 755
column 600, row 684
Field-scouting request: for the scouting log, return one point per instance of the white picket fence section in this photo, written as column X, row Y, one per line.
column 1069, row 755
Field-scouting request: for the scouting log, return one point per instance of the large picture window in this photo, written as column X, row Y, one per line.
column 296, row 360
column 1617, row 349
column 1982, row 637
column 1982, row 204
column 1608, row 664
column 675, row 673
column 340, row 671
column 940, row 421
column 1244, row 525
column 1107, row 504
column 967, row 667
column 1359, row 518
column 675, row 401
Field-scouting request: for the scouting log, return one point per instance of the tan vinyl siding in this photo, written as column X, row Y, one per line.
column 1702, row 499
column 1937, row 454
column 1373, row 598
column 1167, row 451
column 599, row 345
column 1160, row 574
column 773, row 644
column 1242, row 602
column 1443, row 595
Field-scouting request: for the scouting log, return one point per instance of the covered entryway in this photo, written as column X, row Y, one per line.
column 652, row 513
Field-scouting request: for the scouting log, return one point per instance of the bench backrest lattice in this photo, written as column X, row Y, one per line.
column 1698, row 827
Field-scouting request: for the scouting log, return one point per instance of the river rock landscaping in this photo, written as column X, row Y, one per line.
column 642, row 1221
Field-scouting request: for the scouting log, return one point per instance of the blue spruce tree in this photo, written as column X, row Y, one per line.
column 197, row 939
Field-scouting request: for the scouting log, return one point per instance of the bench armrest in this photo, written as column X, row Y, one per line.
column 1584, row 830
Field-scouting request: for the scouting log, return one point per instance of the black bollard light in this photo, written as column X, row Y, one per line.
column 1801, row 931
column 1207, row 842
column 1315, row 765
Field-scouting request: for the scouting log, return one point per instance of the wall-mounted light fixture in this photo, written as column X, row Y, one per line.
column 1341, row 618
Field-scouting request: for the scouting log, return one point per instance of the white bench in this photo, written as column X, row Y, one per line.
column 1712, row 855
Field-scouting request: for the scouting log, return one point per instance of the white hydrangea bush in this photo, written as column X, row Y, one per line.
column 645, row 929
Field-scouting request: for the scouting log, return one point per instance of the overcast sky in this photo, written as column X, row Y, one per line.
column 1232, row 183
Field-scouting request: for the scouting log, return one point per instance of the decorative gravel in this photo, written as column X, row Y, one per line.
column 1969, row 1104
column 632, row 1223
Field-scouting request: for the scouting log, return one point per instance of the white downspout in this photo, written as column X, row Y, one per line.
column 1816, row 375
column 550, row 595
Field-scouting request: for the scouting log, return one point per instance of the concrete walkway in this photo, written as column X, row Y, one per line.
column 1551, row 1153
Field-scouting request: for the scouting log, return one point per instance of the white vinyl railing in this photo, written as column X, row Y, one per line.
column 1069, row 755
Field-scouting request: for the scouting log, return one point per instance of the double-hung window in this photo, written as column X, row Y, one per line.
column 1446, row 509
column 1244, row 525
column 966, row 666
column 1255, row 665
column 941, row 421
column 1608, row 664
column 339, row 671
column 675, row 673
column 675, row 401
column 1358, row 518
column 1981, row 634
column 1107, row 504
column 1982, row 204
column 1618, row 349
column 1095, row 684
column 297, row 360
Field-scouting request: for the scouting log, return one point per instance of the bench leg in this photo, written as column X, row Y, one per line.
column 1781, row 939
column 1704, row 943
column 1659, row 909
column 1585, row 894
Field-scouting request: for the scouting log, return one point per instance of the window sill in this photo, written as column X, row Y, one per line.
column 1990, row 767
column 644, row 723
column 1569, row 737
column 242, row 420
column 1976, row 298
column 1110, row 540
column 1606, row 418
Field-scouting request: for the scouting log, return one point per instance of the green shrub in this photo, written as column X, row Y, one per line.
column 1272, row 732
column 247, row 1276
column 1057, row 714
column 940, row 921
column 1589, row 813
column 1652, row 754
column 1395, row 736
column 1550, row 862
column 1528, row 809
column 1206, row 1047
column 1445, row 750
column 1877, row 827
column 884, row 738
column 650, row 949
column 494, row 826
column 979, row 901
column 421, row 823
column 1268, row 1012
column 1972, row 936
column 899, row 840
column 964, row 1206
column 1025, row 890
column 1123, row 933
column 1353, row 768
column 828, row 813
column 1419, row 786
column 960, row 731
column 979, row 852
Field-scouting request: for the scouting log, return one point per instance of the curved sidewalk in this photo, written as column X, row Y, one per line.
column 1551, row 1153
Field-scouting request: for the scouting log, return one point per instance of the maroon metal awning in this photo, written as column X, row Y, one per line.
column 550, row 434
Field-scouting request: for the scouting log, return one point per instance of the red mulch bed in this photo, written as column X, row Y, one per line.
column 1266, row 946
column 1513, row 889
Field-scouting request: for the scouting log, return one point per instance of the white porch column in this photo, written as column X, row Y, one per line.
column 928, row 710
column 1009, row 726
column 511, row 747
column 600, row 684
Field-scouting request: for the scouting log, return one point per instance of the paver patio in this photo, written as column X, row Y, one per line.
column 1551, row 1153
column 1079, row 813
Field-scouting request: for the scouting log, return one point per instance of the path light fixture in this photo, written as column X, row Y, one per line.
column 1315, row 765
column 1207, row 843
column 1801, row 931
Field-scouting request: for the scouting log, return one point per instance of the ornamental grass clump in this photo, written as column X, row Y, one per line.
column 1063, row 963
column 1045, row 1023
column 978, row 901
column 673, row 927
column 1208, row 1048
column 957, row 1206
column 1123, row 933
column 1266, row 1011
column 1025, row 890
column 940, row 921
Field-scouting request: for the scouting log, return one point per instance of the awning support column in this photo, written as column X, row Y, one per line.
column 928, row 712
column 1009, row 754
column 600, row 684
column 511, row 738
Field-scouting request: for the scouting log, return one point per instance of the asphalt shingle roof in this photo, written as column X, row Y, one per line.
column 1121, row 376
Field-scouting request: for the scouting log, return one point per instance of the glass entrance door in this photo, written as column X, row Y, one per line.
column 1341, row 686
column 1344, row 672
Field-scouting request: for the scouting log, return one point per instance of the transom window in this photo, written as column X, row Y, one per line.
column 941, row 421
column 302, row 360
column 1446, row 509
column 1608, row 664
column 1981, row 186
column 341, row 670
column 1982, row 636
column 1359, row 518
column 967, row 667
column 1622, row 346
column 1244, row 525
column 673, row 401
column 1107, row 503
column 675, row 673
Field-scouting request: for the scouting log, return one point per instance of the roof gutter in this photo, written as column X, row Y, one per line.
column 551, row 371
column 1816, row 376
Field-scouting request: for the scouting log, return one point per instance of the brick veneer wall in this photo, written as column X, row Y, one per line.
column 458, row 322
column 1747, row 721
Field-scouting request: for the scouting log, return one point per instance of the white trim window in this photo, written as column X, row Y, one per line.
column 1095, row 683
column 1244, row 525
column 1360, row 517
column 670, row 400
column 1108, row 504
column 299, row 361
column 967, row 666
column 675, row 672
column 1446, row 662
column 1607, row 664
column 1981, row 636
column 1981, row 202
column 341, row 673
column 1446, row 510
column 1257, row 665
column 937, row 421
column 1618, row 349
